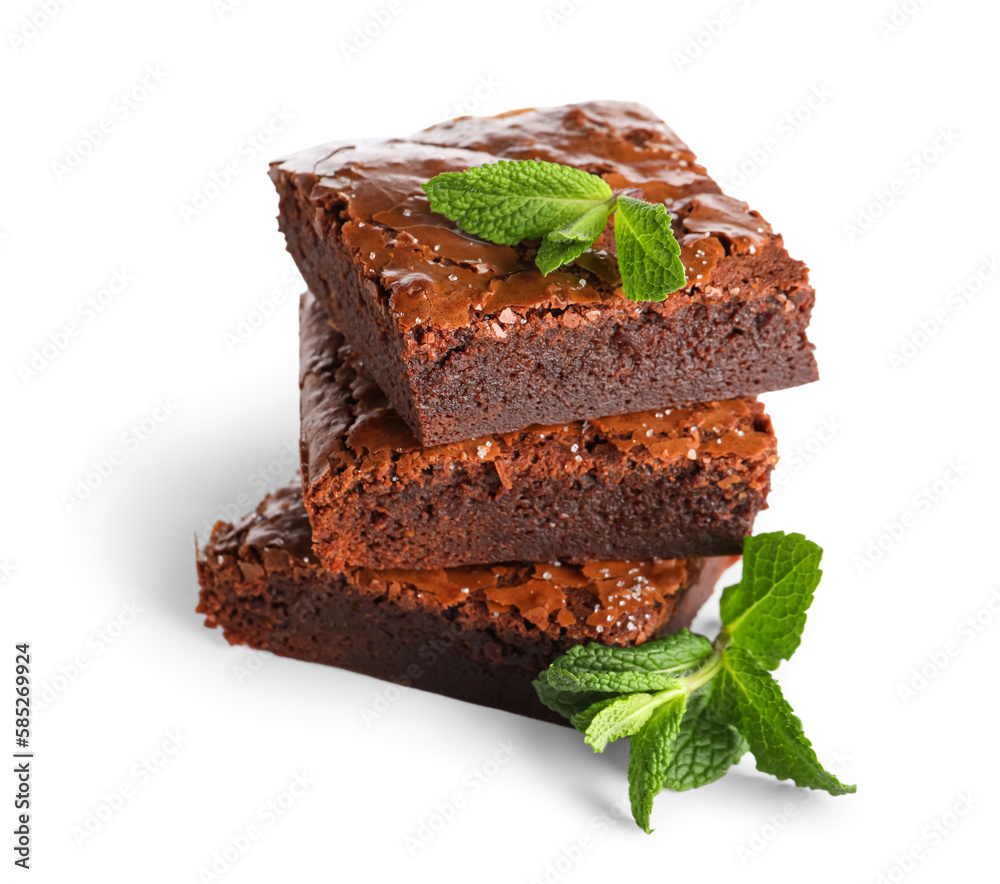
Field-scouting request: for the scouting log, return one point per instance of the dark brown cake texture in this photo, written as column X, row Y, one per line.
column 670, row 483
column 467, row 338
column 479, row 634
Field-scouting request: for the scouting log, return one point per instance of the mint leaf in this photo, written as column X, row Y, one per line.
column 582, row 720
column 555, row 253
column 771, row 728
column 650, row 752
column 568, row 243
column 512, row 200
column 707, row 744
column 565, row 703
column 652, row 666
column 648, row 255
column 607, row 721
column 766, row 611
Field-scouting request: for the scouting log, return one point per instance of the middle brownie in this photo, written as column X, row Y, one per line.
column 655, row 484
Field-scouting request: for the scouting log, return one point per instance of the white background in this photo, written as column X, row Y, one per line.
column 863, row 448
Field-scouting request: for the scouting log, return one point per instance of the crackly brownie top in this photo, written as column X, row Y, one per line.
column 348, row 424
column 435, row 274
column 621, row 601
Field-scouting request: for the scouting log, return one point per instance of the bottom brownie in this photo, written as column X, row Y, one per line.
column 477, row 633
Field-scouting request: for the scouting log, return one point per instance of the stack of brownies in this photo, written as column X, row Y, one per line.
column 498, row 465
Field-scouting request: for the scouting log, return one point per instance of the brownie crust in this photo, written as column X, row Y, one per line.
column 479, row 634
column 467, row 338
column 664, row 484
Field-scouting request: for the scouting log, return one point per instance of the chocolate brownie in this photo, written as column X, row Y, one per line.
column 479, row 634
column 677, row 482
column 468, row 338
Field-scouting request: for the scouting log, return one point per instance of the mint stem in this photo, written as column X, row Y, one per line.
column 704, row 673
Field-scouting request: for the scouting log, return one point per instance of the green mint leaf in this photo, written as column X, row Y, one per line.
column 555, row 253
column 707, row 744
column 653, row 666
column 565, row 703
column 766, row 611
column 582, row 720
column 650, row 752
column 512, row 200
column 771, row 728
column 648, row 255
column 568, row 243
column 607, row 721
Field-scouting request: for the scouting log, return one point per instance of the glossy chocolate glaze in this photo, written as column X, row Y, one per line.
column 431, row 274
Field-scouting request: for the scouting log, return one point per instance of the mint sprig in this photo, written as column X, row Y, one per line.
column 568, row 209
column 691, row 708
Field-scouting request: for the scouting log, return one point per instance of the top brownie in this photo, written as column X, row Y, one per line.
column 466, row 337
